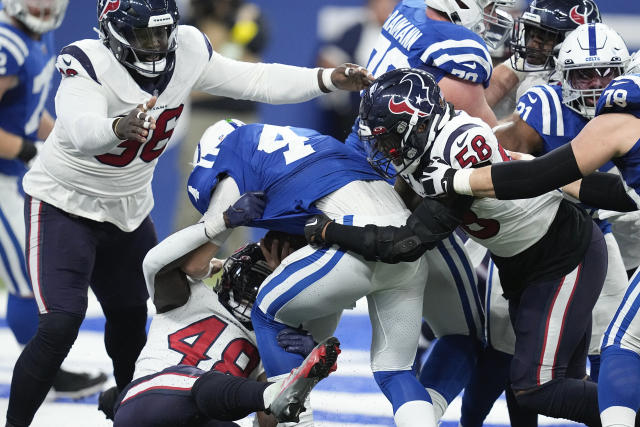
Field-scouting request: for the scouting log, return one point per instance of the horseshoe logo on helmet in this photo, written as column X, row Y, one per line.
column 109, row 6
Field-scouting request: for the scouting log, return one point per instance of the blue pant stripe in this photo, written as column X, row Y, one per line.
column 288, row 271
column 472, row 279
column 16, row 246
column 304, row 284
column 628, row 317
column 466, row 308
column 488, row 302
column 632, row 286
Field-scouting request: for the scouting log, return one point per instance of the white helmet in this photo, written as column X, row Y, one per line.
column 207, row 148
column 590, row 57
column 50, row 13
column 633, row 67
column 492, row 24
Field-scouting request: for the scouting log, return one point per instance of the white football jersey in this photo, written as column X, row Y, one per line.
column 201, row 333
column 84, row 169
column 505, row 227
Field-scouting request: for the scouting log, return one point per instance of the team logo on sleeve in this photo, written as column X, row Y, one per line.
column 109, row 6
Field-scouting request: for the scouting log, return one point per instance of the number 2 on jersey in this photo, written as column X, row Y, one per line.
column 239, row 358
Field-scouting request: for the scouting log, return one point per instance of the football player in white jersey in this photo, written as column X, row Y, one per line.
column 89, row 193
column 551, row 255
column 199, row 334
column 27, row 60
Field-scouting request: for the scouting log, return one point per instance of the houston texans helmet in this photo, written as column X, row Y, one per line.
column 590, row 57
column 39, row 16
column 483, row 17
column 242, row 274
column 399, row 115
column 541, row 28
column 142, row 34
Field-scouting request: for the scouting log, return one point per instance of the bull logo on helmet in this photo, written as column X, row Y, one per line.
column 405, row 106
column 581, row 18
column 109, row 6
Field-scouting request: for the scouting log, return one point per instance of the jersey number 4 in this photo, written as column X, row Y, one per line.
column 239, row 358
column 150, row 151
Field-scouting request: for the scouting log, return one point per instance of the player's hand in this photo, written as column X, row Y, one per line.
column 297, row 341
column 272, row 255
column 516, row 155
column 248, row 207
column 137, row 124
column 351, row 77
column 437, row 178
column 314, row 229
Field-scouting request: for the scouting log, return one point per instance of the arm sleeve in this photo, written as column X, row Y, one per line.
column 270, row 83
column 81, row 106
column 223, row 196
column 529, row 178
column 606, row 191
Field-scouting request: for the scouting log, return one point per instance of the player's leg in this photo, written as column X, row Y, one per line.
column 453, row 309
column 395, row 315
column 615, row 285
column 123, row 294
column 552, row 320
column 619, row 382
column 60, row 257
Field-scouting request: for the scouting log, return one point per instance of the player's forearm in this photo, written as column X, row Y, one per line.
column 503, row 80
column 82, row 110
column 46, row 125
column 270, row 83
column 10, row 144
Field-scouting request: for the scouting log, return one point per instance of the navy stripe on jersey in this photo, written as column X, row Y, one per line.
column 208, row 43
column 454, row 135
column 84, row 60
column 592, row 40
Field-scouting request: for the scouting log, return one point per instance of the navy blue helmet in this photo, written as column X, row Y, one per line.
column 397, row 115
column 142, row 34
column 538, row 33
column 242, row 274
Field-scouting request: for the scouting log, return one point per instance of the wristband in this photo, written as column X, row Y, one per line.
column 324, row 80
column 114, row 125
column 28, row 150
column 462, row 182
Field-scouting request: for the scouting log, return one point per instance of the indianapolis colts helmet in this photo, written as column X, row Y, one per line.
column 392, row 114
column 589, row 58
column 483, row 17
column 39, row 16
column 242, row 274
column 142, row 34
column 207, row 149
column 541, row 28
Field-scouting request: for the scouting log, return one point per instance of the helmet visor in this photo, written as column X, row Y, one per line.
column 152, row 44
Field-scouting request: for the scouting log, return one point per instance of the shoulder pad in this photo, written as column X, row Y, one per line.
column 464, row 55
column 541, row 108
column 13, row 51
column 73, row 61
column 622, row 95
column 194, row 41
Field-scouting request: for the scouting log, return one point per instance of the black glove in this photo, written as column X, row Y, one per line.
column 314, row 227
column 297, row 341
column 248, row 207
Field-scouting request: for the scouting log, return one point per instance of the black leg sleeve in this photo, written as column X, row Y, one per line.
column 227, row 398
column 38, row 364
column 124, row 336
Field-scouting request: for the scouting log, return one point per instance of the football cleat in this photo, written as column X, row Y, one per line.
column 289, row 403
column 74, row 385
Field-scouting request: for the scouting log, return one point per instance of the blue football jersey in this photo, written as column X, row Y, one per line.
column 293, row 166
column 32, row 62
column 409, row 39
column 541, row 108
column 622, row 95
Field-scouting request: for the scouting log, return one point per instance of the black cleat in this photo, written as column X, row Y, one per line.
column 74, row 385
column 289, row 403
column 107, row 401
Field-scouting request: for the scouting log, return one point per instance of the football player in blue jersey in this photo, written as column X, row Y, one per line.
column 550, row 116
column 89, row 189
column 536, row 35
column 612, row 135
column 26, row 70
column 449, row 39
column 302, row 172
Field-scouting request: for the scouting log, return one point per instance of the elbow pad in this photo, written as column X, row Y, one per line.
column 395, row 245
